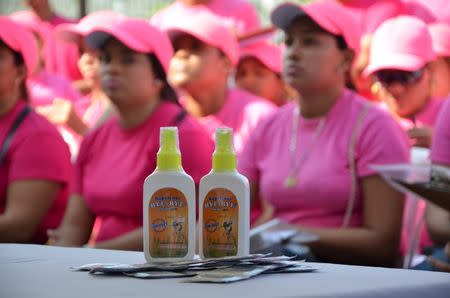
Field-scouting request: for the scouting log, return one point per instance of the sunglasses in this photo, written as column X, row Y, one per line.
column 388, row 77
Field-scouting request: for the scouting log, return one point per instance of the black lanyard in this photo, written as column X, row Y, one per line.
column 19, row 119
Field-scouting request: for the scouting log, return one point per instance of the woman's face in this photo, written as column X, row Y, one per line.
column 11, row 75
column 411, row 96
column 312, row 60
column 127, row 76
column 88, row 63
column 195, row 64
column 255, row 77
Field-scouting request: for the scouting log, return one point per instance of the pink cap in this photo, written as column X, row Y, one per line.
column 379, row 11
column 268, row 53
column 331, row 16
column 32, row 22
column 208, row 28
column 440, row 34
column 429, row 11
column 19, row 39
column 402, row 43
column 137, row 35
column 71, row 32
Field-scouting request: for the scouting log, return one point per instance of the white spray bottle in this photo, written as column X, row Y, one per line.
column 169, row 205
column 224, row 220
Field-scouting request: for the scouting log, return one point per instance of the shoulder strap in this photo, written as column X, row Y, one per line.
column 19, row 119
column 352, row 164
column 179, row 117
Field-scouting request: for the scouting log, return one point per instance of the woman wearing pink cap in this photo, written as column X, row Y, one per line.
column 34, row 160
column 93, row 108
column 400, row 56
column 115, row 159
column 206, row 53
column 259, row 72
column 440, row 35
column 310, row 162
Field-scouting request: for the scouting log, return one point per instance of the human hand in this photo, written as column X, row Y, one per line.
column 59, row 112
column 422, row 136
column 62, row 112
column 439, row 265
column 267, row 212
column 56, row 238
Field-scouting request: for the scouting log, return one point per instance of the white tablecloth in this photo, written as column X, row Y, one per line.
column 42, row 271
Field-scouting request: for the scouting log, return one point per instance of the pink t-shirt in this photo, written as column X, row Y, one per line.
column 46, row 86
column 242, row 112
column 36, row 152
column 440, row 150
column 239, row 15
column 113, row 163
column 322, row 192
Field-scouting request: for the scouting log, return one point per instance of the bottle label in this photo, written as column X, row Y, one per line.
column 220, row 224
column 168, row 224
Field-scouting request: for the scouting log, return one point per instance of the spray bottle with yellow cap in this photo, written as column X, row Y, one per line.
column 224, row 204
column 169, row 205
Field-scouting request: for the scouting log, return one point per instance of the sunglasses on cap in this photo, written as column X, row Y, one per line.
column 388, row 77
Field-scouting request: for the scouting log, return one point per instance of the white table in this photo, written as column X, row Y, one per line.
column 42, row 271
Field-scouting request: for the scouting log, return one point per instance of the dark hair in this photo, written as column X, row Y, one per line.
column 341, row 43
column 19, row 62
column 167, row 92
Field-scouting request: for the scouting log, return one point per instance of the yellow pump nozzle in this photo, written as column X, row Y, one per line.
column 169, row 156
column 224, row 158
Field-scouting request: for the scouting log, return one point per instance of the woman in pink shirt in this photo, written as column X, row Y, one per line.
column 34, row 160
column 206, row 53
column 259, row 71
column 310, row 162
column 437, row 218
column 93, row 108
column 400, row 56
column 115, row 159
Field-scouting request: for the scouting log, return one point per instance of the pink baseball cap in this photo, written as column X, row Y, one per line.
column 379, row 11
column 440, row 34
column 402, row 43
column 71, row 32
column 208, row 28
column 266, row 52
column 331, row 16
column 429, row 11
column 32, row 22
column 137, row 35
column 21, row 40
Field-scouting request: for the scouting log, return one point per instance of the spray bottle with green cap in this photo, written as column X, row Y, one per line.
column 224, row 220
column 169, row 205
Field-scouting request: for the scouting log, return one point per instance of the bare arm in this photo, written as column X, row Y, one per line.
column 27, row 203
column 76, row 226
column 130, row 241
column 62, row 112
column 267, row 210
column 376, row 241
column 438, row 223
